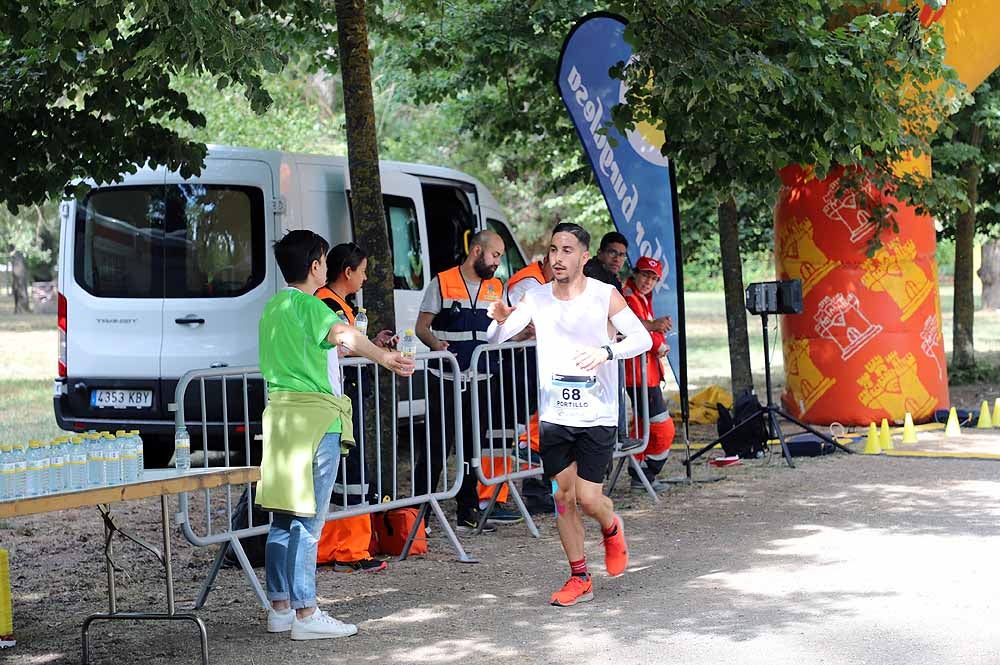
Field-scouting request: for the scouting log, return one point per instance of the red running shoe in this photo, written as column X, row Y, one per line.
column 576, row 590
column 616, row 551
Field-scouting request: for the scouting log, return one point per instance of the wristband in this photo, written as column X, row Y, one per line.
column 611, row 355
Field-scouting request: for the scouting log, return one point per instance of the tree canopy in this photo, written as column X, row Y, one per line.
column 743, row 89
column 88, row 89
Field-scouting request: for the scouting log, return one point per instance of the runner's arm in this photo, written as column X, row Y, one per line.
column 511, row 324
column 636, row 339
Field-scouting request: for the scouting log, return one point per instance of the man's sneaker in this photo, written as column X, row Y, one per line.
column 577, row 590
column 280, row 622
column 615, row 551
column 501, row 515
column 320, row 626
column 468, row 521
column 628, row 443
column 360, row 566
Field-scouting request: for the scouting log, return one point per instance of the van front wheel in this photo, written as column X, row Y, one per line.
column 158, row 450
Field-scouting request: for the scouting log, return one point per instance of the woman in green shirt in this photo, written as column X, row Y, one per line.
column 306, row 424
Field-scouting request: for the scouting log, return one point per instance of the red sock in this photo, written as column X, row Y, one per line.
column 578, row 567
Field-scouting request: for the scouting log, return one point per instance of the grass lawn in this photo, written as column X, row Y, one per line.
column 28, row 357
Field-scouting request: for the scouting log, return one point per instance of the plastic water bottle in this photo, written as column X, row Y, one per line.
column 77, row 463
column 37, row 474
column 141, row 460
column 96, row 472
column 19, row 453
column 130, row 458
column 182, row 449
column 361, row 321
column 6, row 472
column 408, row 344
column 57, row 466
column 113, row 459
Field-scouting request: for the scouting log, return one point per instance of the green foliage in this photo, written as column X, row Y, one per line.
column 747, row 88
column 962, row 376
column 953, row 152
column 85, row 88
column 32, row 230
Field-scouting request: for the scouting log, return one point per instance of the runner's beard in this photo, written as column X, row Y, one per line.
column 482, row 270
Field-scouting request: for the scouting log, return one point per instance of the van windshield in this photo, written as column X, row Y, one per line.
column 174, row 241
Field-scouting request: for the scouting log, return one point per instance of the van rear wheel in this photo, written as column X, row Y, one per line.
column 158, row 450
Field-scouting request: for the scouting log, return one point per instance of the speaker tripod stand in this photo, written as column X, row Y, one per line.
column 772, row 413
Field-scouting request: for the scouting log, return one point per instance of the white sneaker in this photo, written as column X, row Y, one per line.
column 320, row 626
column 280, row 622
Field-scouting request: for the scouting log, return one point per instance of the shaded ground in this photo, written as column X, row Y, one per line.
column 843, row 560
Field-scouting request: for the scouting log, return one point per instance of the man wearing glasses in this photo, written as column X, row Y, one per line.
column 607, row 265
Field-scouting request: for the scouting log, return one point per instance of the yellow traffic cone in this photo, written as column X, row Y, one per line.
column 872, row 447
column 909, row 431
column 996, row 412
column 6, row 611
column 985, row 422
column 884, row 437
column 952, row 428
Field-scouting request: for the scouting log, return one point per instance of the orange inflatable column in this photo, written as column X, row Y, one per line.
column 868, row 344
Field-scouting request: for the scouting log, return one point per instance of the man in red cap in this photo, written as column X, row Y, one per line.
column 638, row 291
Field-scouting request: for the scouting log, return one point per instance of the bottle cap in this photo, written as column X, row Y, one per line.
column 408, row 331
column 362, row 310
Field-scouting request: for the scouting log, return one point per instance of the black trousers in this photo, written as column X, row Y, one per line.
column 439, row 402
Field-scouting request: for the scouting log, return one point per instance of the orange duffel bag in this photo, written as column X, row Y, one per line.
column 390, row 529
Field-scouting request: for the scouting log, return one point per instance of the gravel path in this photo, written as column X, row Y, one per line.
column 845, row 560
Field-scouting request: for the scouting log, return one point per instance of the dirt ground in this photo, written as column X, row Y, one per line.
column 846, row 559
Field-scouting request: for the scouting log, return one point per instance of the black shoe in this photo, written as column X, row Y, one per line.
column 468, row 521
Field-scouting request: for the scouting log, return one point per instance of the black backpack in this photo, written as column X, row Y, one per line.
column 253, row 546
column 742, row 432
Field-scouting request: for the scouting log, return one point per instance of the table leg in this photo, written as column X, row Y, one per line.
column 171, row 615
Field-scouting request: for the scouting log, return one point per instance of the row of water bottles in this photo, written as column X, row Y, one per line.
column 67, row 463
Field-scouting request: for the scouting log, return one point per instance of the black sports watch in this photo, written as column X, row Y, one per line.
column 611, row 355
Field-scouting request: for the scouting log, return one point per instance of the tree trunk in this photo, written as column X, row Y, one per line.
column 366, row 198
column 732, row 280
column 19, row 285
column 989, row 274
column 963, row 350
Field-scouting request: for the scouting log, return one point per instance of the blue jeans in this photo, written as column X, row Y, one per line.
column 290, row 554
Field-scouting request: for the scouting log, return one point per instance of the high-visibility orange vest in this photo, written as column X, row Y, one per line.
column 462, row 321
column 530, row 271
column 325, row 294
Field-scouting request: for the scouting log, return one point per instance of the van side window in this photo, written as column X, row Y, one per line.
column 119, row 240
column 175, row 241
column 512, row 261
column 215, row 246
column 404, row 243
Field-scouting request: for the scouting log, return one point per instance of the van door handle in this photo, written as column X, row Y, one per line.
column 190, row 319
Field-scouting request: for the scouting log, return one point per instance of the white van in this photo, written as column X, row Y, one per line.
column 159, row 274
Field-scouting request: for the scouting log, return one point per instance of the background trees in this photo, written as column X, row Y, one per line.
column 745, row 89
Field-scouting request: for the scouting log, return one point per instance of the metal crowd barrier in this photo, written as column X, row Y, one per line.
column 511, row 400
column 515, row 385
column 394, row 484
column 636, row 437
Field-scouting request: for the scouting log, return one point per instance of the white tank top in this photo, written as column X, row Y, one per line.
column 569, row 395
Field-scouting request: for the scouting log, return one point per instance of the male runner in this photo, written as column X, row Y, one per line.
column 575, row 321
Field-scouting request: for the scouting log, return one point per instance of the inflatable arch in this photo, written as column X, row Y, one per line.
column 868, row 344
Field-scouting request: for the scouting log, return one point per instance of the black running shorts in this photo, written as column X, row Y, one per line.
column 589, row 447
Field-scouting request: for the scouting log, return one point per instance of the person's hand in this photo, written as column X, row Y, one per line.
column 398, row 363
column 439, row 345
column 590, row 358
column 386, row 339
column 663, row 350
column 499, row 311
column 666, row 324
